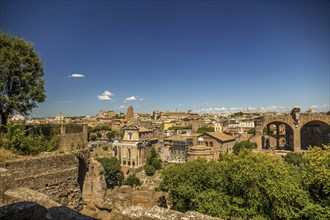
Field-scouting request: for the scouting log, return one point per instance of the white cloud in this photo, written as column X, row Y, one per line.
column 220, row 109
column 132, row 98
column 105, row 95
column 76, row 75
column 235, row 109
column 122, row 106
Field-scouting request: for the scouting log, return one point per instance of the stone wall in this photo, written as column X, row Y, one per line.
column 158, row 213
column 54, row 175
column 75, row 141
column 33, row 210
column 125, row 196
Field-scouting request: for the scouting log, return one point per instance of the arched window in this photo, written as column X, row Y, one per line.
column 206, row 143
column 211, row 144
column 130, row 136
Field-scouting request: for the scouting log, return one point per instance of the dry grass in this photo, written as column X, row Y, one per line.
column 7, row 155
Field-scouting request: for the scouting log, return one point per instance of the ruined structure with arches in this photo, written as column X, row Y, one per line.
column 293, row 132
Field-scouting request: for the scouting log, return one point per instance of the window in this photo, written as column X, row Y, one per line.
column 130, row 136
column 211, row 144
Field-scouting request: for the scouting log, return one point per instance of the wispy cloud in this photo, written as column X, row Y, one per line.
column 106, row 95
column 76, row 75
column 131, row 98
column 122, row 106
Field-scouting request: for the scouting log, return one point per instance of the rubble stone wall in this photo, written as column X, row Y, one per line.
column 54, row 175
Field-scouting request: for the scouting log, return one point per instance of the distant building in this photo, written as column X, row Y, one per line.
column 173, row 115
column 200, row 150
column 137, row 142
column 178, row 146
column 106, row 114
column 59, row 119
column 18, row 118
column 218, row 141
column 130, row 113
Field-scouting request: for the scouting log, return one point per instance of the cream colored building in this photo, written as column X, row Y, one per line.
column 137, row 142
column 219, row 142
column 200, row 151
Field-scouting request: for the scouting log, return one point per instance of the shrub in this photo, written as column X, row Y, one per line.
column 244, row 145
column 113, row 174
column 132, row 180
column 149, row 170
column 294, row 158
column 20, row 141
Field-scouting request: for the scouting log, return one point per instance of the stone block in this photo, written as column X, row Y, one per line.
column 23, row 210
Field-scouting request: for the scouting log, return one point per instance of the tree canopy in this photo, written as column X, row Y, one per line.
column 252, row 186
column 205, row 129
column 244, row 145
column 153, row 163
column 21, row 71
column 113, row 174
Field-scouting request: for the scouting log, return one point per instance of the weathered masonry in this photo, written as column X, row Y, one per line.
column 294, row 132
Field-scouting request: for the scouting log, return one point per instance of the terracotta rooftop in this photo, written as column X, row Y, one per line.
column 178, row 138
column 143, row 129
column 221, row 136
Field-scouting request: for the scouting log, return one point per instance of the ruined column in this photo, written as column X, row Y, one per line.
column 277, row 135
column 63, row 129
column 296, row 139
column 268, row 129
column 122, row 155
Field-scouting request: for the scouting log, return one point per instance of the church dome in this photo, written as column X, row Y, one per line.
column 200, row 139
column 18, row 117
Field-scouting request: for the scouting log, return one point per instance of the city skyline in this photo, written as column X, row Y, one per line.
column 207, row 56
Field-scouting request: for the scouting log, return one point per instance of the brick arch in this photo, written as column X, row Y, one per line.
column 314, row 133
column 83, row 157
column 274, row 140
column 316, row 120
column 303, row 119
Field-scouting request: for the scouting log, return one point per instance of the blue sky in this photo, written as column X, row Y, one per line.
column 208, row 56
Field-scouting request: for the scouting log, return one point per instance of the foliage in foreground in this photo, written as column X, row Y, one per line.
column 205, row 129
column 132, row 181
column 19, row 140
column 113, row 174
column 244, row 145
column 21, row 83
column 251, row 185
column 153, row 163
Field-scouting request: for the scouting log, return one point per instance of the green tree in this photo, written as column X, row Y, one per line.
column 132, row 180
column 21, row 71
column 113, row 174
column 251, row 131
column 154, row 160
column 180, row 127
column 294, row 158
column 20, row 141
column 149, row 170
column 271, row 130
column 247, row 186
column 316, row 174
column 244, row 145
column 92, row 137
column 205, row 129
